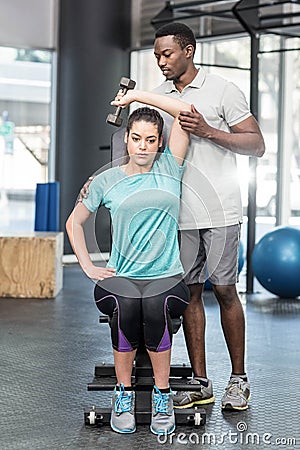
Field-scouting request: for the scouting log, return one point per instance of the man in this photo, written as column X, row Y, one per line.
column 221, row 126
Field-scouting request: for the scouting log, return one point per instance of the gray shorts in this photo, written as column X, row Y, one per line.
column 210, row 253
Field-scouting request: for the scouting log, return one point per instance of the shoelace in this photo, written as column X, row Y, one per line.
column 235, row 386
column 161, row 402
column 123, row 401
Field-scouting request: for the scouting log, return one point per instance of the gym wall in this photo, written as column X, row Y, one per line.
column 28, row 24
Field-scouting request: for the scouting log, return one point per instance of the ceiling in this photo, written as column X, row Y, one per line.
column 220, row 17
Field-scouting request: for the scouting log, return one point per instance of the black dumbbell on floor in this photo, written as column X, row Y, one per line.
column 114, row 118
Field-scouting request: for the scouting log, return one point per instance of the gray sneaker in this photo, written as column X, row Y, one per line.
column 237, row 395
column 186, row 399
column 163, row 417
column 122, row 413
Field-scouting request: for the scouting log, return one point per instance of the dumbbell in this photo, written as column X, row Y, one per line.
column 114, row 118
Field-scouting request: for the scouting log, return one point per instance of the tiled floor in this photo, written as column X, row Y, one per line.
column 49, row 349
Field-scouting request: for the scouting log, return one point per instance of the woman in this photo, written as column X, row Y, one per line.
column 141, row 287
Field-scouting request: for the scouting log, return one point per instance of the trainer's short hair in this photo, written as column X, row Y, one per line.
column 183, row 35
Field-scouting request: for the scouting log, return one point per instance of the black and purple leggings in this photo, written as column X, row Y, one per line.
column 141, row 308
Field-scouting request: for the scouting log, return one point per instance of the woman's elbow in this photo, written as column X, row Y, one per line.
column 69, row 224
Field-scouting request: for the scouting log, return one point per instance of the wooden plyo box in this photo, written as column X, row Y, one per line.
column 31, row 265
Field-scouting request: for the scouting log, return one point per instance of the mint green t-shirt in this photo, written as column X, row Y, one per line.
column 144, row 210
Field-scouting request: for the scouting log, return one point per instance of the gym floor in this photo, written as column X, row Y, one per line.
column 49, row 349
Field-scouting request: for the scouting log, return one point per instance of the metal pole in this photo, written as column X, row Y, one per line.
column 252, row 17
column 251, row 230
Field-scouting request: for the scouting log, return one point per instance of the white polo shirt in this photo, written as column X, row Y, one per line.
column 210, row 188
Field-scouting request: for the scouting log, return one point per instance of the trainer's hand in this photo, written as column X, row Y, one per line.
column 99, row 273
column 194, row 122
column 84, row 191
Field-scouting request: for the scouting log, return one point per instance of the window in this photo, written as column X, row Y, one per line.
column 280, row 118
column 25, row 95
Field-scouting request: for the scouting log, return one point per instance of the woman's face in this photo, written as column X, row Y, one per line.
column 143, row 142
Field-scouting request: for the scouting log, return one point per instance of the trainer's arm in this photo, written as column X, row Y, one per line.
column 245, row 137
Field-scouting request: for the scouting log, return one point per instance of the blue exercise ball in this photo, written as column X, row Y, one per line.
column 276, row 261
column 241, row 262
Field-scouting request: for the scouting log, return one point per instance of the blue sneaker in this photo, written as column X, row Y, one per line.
column 163, row 417
column 122, row 413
